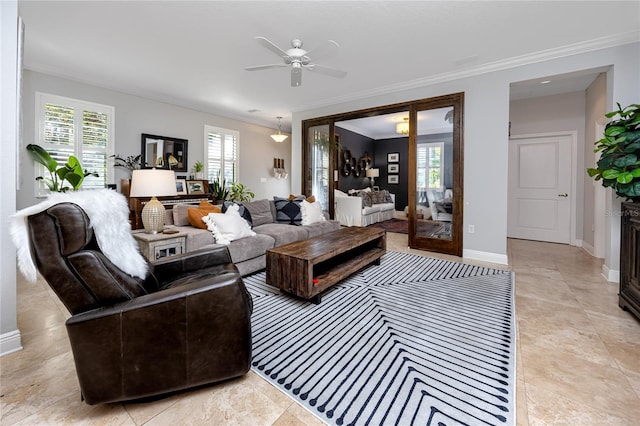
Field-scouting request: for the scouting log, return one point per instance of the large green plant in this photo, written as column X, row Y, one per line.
column 619, row 164
column 239, row 193
column 70, row 172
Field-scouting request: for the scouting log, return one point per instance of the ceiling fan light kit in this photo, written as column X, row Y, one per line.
column 278, row 136
column 403, row 127
column 297, row 58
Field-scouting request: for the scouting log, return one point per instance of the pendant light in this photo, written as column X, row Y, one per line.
column 279, row 137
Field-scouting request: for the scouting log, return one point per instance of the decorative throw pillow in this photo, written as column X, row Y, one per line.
column 387, row 197
column 311, row 199
column 366, row 198
column 228, row 226
column 195, row 214
column 288, row 211
column 377, row 197
column 260, row 211
column 311, row 212
column 180, row 214
column 246, row 215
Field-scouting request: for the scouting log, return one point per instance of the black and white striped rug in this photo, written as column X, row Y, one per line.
column 415, row 340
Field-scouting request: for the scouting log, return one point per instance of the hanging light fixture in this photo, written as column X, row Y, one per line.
column 279, row 137
column 403, row 127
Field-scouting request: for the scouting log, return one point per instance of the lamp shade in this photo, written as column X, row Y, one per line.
column 373, row 173
column 153, row 183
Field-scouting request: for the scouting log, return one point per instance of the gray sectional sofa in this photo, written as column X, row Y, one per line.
column 248, row 253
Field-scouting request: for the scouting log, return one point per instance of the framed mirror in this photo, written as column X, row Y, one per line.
column 164, row 152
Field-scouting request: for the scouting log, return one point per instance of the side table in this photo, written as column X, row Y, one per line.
column 157, row 246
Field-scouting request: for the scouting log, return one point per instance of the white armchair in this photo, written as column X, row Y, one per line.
column 437, row 202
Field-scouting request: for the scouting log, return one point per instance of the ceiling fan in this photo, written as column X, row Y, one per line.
column 297, row 58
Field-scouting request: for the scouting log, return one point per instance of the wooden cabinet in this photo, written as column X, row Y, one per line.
column 630, row 259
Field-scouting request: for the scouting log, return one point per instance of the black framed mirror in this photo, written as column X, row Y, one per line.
column 164, row 152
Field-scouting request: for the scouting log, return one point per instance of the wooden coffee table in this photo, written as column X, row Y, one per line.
column 308, row 267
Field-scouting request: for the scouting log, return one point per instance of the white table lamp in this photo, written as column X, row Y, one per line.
column 373, row 173
column 153, row 183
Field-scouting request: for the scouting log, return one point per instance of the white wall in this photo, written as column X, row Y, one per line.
column 136, row 115
column 486, row 137
column 10, row 340
column 595, row 109
column 556, row 114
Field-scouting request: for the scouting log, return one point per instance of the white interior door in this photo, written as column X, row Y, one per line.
column 539, row 204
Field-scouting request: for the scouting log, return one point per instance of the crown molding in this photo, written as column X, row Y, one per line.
column 517, row 61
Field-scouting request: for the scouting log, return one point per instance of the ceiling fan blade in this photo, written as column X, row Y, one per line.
column 329, row 48
column 296, row 76
column 265, row 67
column 272, row 47
column 322, row 69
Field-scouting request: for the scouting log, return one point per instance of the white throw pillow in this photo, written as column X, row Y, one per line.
column 228, row 226
column 311, row 212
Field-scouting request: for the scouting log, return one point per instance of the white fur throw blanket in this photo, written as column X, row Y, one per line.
column 108, row 213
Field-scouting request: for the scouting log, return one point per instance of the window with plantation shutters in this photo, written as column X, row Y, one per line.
column 74, row 127
column 221, row 154
column 429, row 166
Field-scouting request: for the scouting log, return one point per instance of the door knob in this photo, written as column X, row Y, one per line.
column 563, row 195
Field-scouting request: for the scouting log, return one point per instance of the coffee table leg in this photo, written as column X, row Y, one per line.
column 316, row 299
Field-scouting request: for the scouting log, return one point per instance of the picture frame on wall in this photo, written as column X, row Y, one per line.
column 393, row 157
column 195, row 187
column 181, row 186
column 393, row 168
column 392, row 179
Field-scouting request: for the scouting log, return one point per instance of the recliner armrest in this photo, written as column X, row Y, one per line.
column 192, row 261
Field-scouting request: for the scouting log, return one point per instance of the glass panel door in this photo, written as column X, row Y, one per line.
column 435, row 193
column 318, row 165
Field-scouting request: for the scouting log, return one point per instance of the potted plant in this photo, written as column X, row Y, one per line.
column 70, row 172
column 197, row 169
column 619, row 163
column 219, row 189
column 239, row 192
column 131, row 163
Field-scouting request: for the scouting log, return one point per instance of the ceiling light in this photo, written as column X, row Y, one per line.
column 403, row 128
column 278, row 136
column 545, row 82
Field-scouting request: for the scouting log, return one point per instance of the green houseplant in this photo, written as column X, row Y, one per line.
column 70, row 172
column 219, row 189
column 130, row 163
column 239, row 192
column 619, row 164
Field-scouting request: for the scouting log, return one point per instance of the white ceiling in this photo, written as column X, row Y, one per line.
column 193, row 53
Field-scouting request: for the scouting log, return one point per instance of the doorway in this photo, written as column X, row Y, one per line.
column 450, row 126
column 541, row 194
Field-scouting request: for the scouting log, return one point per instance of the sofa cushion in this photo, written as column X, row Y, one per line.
column 180, row 214
column 281, row 233
column 260, row 211
column 244, row 212
column 321, row 228
column 250, row 247
column 288, row 211
column 195, row 214
column 311, row 212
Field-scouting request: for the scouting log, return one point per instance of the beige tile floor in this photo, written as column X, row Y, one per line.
column 578, row 358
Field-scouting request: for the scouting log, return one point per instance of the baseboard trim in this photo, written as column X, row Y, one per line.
column 10, row 342
column 588, row 248
column 611, row 275
column 484, row 256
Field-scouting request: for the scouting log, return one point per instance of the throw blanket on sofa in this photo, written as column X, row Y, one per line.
column 108, row 214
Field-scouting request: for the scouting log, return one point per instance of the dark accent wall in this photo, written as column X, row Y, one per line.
column 382, row 148
column 358, row 145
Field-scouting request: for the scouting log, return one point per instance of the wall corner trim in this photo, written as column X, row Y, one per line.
column 10, row 342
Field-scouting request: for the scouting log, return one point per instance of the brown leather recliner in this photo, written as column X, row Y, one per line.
column 186, row 324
